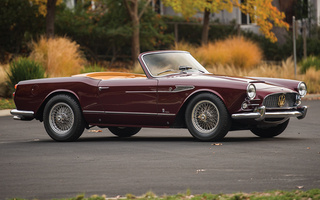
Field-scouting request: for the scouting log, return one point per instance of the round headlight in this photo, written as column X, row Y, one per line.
column 251, row 91
column 302, row 89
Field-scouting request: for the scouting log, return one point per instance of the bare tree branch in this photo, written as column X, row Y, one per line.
column 129, row 8
column 144, row 8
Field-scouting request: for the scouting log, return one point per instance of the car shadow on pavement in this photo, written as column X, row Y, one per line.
column 175, row 139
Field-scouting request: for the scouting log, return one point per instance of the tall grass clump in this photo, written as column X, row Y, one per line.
column 60, row 56
column 312, row 79
column 310, row 62
column 185, row 46
column 24, row 69
column 4, row 91
column 233, row 51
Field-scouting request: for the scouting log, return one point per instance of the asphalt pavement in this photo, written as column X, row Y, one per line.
column 165, row 161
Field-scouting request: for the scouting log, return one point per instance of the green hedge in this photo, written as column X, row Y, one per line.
column 24, row 69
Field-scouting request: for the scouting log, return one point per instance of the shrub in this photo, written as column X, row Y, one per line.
column 60, row 56
column 236, row 51
column 24, row 69
column 310, row 62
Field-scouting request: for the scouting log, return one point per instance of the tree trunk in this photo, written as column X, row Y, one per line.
column 205, row 27
column 51, row 7
column 135, row 48
column 132, row 8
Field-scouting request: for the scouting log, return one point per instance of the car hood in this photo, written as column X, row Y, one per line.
column 263, row 87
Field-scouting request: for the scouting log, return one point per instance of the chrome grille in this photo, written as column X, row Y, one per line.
column 271, row 101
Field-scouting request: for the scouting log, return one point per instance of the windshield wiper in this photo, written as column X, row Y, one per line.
column 168, row 70
column 184, row 68
column 201, row 71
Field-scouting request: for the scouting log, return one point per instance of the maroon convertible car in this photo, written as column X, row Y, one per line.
column 175, row 92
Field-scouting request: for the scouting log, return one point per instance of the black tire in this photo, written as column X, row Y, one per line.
column 124, row 131
column 207, row 118
column 270, row 132
column 63, row 119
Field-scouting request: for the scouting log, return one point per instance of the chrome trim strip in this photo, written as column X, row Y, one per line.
column 179, row 88
column 93, row 112
column 166, row 114
column 126, row 113
column 134, row 92
column 182, row 88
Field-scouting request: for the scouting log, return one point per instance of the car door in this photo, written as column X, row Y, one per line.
column 128, row 102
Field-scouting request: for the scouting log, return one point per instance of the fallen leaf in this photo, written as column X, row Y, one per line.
column 95, row 131
column 190, row 197
column 216, row 144
column 200, row 170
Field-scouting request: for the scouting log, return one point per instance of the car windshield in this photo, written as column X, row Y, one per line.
column 164, row 63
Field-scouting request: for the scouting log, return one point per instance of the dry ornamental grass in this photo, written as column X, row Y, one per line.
column 60, row 56
column 239, row 57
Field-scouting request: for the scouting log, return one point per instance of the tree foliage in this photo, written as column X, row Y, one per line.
column 107, row 30
column 263, row 13
column 42, row 6
column 19, row 21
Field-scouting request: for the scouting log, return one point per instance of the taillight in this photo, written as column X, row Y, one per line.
column 15, row 87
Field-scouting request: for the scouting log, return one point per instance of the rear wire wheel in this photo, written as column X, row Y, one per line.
column 207, row 118
column 63, row 119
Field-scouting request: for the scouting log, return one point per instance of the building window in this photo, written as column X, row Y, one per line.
column 157, row 6
column 245, row 18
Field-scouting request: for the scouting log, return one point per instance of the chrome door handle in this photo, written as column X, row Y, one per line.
column 103, row 88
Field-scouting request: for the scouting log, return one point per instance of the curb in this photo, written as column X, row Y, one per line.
column 5, row 113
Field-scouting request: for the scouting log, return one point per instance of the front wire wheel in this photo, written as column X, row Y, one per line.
column 207, row 118
column 63, row 119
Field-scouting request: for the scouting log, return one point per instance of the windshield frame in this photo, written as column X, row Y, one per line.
column 199, row 67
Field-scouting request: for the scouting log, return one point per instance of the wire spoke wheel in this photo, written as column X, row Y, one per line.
column 205, row 116
column 61, row 118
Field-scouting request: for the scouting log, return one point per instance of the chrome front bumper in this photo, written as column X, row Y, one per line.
column 22, row 114
column 261, row 114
